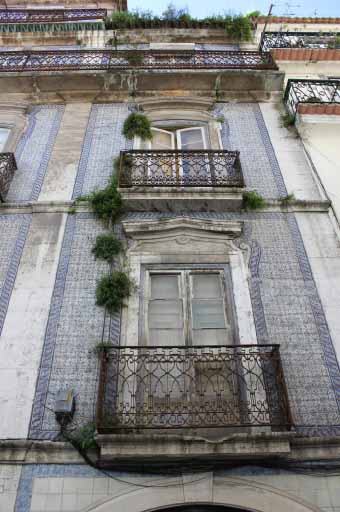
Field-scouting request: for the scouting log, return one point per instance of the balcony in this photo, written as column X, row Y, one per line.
column 306, row 96
column 181, row 179
column 110, row 60
column 189, row 395
column 18, row 16
column 7, row 168
column 296, row 40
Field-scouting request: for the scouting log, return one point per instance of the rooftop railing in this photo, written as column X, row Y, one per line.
column 300, row 91
column 50, row 15
column 109, row 59
column 7, row 168
column 271, row 40
column 176, row 168
column 197, row 386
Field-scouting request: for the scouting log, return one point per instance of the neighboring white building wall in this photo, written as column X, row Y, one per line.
column 289, row 151
column 24, row 328
column 312, row 70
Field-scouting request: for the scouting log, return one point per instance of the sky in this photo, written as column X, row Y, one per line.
column 203, row 8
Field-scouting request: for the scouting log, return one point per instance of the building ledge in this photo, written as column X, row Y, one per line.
column 155, row 450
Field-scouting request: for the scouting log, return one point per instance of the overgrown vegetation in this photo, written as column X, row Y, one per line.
column 84, row 438
column 335, row 44
column 289, row 198
column 107, row 246
column 137, row 125
column 134, row 58
column 107, row 204
column 112, row 290
column 236, row 26
column 287, row 120
column 102, row 347
column 252, row 200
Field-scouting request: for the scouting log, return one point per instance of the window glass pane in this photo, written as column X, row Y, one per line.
column 4, row 133
column 191, row 139
column 206, row 286
column 164, row 286
column 161, row 140
column 165, row 314
column 208, row 314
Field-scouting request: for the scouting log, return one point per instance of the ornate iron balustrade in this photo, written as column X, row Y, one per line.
column 311, row 91
column 7, row 168
column 109, row 59
column 270, row 40
column 175, row 168
column 200, row 386
column 50, row 15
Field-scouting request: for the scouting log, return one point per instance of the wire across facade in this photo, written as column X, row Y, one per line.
column 7, row 168
column 175, row 168
column 110, row 59
column 311, row 91
column 197, row 386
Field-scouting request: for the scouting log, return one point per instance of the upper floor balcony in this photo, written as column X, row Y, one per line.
column 7, row 168
column 180, row 179
column 305, row 96
column 192, row 392
column 19, row 16
column 110, row 60
column 302, row 46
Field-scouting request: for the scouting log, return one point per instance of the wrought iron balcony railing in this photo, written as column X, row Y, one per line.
column 271, row 40
column 175, row 168
column 50, row 15
column 311, row 91
column 109, row 59
column 193, row 387
column 7, row 168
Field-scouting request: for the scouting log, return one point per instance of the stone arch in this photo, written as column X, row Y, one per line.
column 234, row 494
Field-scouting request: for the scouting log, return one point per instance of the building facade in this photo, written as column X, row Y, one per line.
column 210, row 382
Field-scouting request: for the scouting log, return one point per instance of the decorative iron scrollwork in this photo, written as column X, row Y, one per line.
column 7, row 168
column 311, row 91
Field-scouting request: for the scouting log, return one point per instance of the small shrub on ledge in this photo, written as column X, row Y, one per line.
column 137, row 125
column 252, row 200
column 112, row 290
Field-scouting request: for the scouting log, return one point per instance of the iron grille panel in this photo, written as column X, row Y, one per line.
column 162, row 168
column 201, row 386
column 50, row 15
column 311, row 91
column 108, row 59
column 272, row 40
column 7, row 168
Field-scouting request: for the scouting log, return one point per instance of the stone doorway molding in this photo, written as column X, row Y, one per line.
column 238, row 493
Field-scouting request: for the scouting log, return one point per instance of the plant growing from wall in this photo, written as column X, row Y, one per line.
column 107, row 246
column 252, row 200
column 287, row 200
column 107, row 204
column 134, row 58
column 287, row 120
column 137, row 125
column 112, row 290
column 83, row 439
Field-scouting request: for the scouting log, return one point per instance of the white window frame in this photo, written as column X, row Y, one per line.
column 185, row 287
column 8, row 129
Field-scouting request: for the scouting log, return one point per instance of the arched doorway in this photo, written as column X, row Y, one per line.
column 202, row 508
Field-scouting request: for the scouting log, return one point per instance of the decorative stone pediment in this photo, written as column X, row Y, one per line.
column 183, row 236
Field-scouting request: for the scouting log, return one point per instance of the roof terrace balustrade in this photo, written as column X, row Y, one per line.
column 7, row 168
column 19, row 16
column 110, row 60
column 191, row 387
column 314, row 93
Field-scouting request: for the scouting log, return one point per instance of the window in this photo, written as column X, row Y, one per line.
column 4, row 134
column 185, row 138
column 186, row 307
